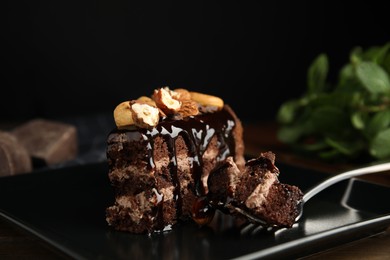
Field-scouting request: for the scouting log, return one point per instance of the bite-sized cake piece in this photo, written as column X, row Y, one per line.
column 14, row 158
column 255, row 192
column 161, row 153
column 223, row 181
column 48, row 142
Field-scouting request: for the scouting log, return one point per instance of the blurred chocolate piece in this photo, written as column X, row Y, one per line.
column 48, row 142
column 14, row 158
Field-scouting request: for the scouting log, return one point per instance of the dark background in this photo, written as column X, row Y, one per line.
column 64, row 59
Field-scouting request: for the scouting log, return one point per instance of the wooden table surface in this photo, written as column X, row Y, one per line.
column 15, row 243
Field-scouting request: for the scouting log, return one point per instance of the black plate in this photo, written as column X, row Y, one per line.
column 66, row 208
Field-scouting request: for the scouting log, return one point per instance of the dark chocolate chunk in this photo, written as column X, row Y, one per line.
column 48, row 142
column 14, row 158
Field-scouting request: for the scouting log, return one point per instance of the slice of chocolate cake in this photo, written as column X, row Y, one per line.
column 256, row 192
column 179, row 155
column 161, row 154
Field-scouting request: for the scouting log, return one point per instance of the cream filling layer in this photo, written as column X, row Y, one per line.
column 260, row 193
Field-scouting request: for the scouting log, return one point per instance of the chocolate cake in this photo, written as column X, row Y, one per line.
column 254, row 193
column 159, row 171
column 166, row 162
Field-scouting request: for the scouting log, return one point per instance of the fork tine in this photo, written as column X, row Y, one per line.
column 247, row 229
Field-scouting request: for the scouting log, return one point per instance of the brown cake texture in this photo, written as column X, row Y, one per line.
column 256, row 192
column 159, row 172
column 179, row 155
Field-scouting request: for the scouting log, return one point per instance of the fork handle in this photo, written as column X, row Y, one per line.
column 381, row 167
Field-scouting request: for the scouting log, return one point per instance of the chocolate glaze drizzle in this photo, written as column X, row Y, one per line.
column 197, row 132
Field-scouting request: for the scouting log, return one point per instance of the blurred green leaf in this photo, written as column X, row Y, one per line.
column 344, row 147
column 317, row 73
column 287, row 111
column 373, row 77
column 344, row 120
column 329, row 155
column 358, row 120
column 379, row 122
column 380, row 145
column 318, row 145
column 355, row 56
column 377, row 54
column 346, row 76
column 291, row 134
column 329, row 119
column 386, row 63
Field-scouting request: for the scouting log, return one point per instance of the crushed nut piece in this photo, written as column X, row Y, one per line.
column 144, row 115
column 149, row 101
column 188, row 108
column 165, row 101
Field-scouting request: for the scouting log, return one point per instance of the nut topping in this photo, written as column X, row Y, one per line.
column 181, row 94
column 146, row 112
column 122, row 115
column 207, row 100
column 147, row 100
column 188, row 108
column 144, row 115
column 165, row 101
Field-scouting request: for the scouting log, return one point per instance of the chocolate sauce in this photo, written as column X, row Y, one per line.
column 197, row 132
column 202, row 211
column 159, row 210
column 264, row 163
